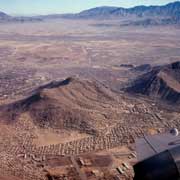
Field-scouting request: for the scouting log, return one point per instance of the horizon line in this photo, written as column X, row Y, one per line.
column 76, row 12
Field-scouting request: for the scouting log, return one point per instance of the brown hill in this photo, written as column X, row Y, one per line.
column 161, row 82
column 69, row 104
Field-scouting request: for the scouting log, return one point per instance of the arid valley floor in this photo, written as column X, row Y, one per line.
column 64, row 111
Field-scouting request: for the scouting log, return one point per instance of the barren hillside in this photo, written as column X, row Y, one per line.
column 161, row 82
column 71, row 104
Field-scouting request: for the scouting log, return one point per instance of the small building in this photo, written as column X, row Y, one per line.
column 125, row 165
column 120, row 171
column 85, row 162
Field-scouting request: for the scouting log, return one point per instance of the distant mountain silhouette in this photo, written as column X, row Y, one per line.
column 7, row 18
column 169, row 10
column 139, row 15
column 162, row 82
column 4, row 16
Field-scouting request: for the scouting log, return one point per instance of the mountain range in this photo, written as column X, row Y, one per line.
column 4, row 18
column 139, row 15
column 169, row 10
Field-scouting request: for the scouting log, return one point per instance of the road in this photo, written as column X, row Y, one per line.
column 82, row 175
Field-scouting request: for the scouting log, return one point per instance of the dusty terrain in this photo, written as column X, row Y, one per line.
column 36, row 53
column 57, row 128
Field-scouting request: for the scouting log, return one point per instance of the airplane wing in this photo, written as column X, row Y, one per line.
column 158, row 157
column 151, row 145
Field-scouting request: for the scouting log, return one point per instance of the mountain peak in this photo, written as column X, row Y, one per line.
column 162, row 82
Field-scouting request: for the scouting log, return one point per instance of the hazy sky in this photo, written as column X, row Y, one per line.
column 24, row 7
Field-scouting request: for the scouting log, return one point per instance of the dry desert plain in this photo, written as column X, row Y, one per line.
column 82, row 127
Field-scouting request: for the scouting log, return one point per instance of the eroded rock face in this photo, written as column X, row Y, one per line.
column 161, row 82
